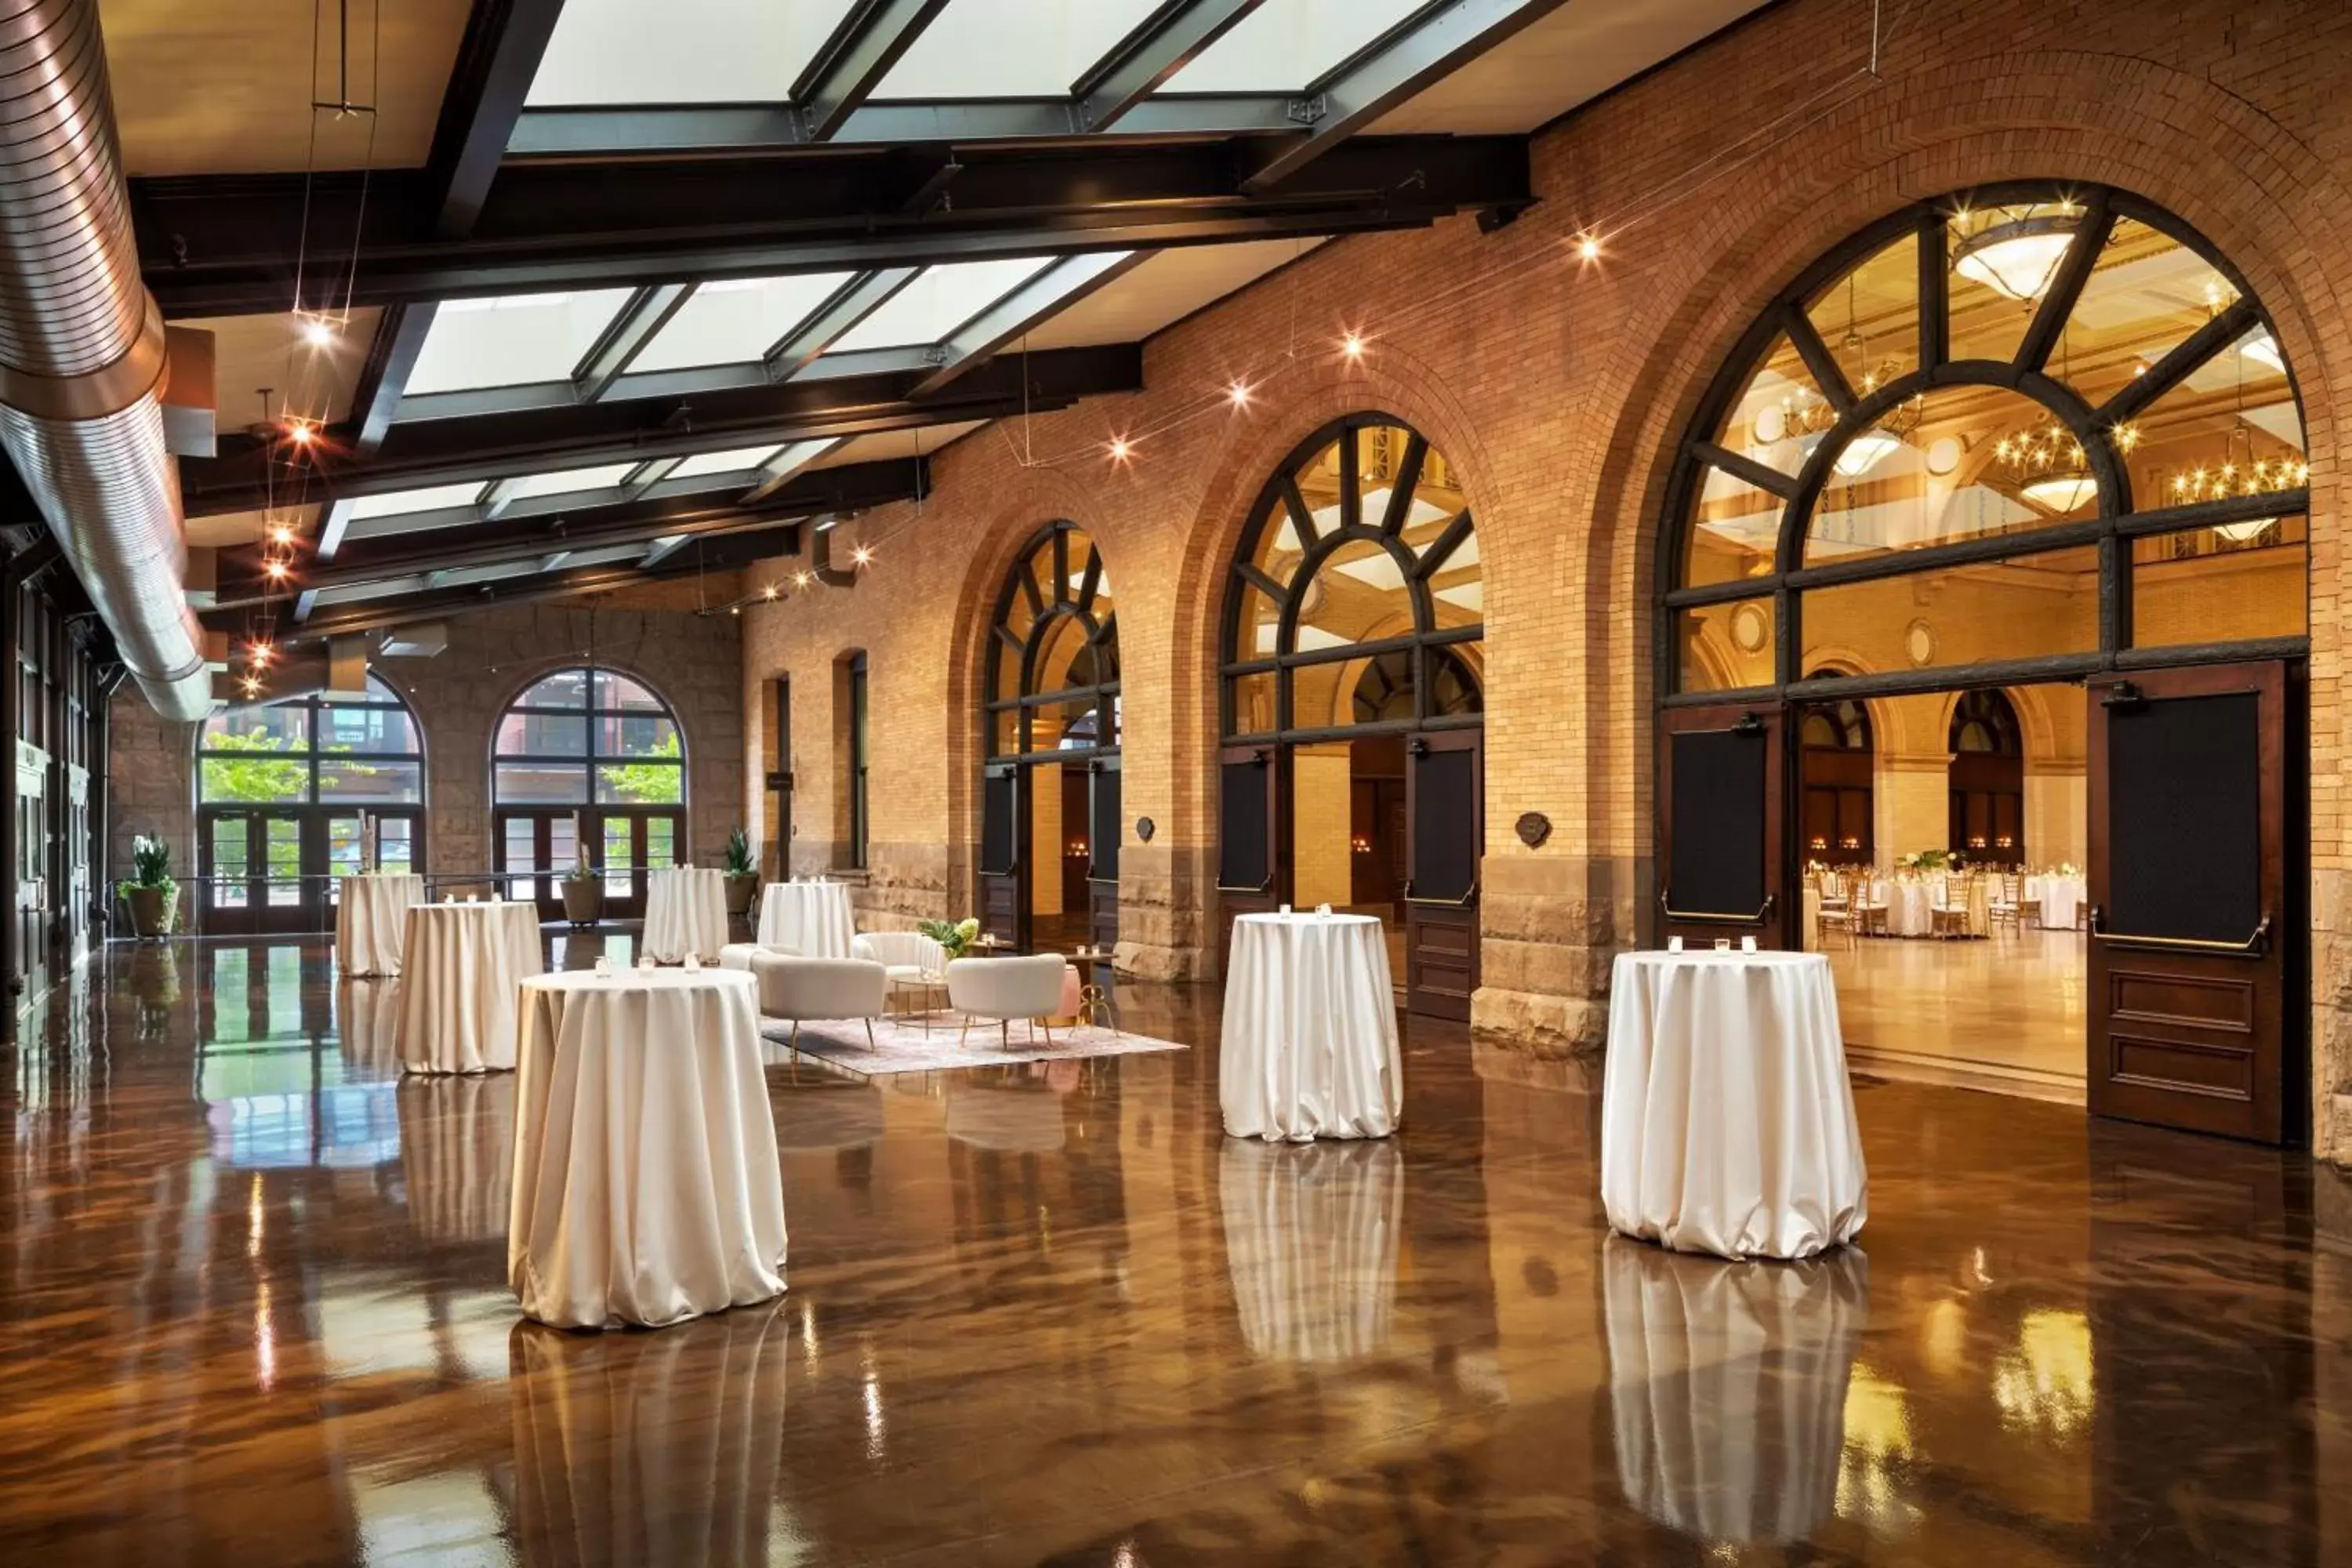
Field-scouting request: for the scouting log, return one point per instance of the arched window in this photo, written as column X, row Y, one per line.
column 2074, row 414
column 1356, row 600
column 1984, row 722
column 287, row 794
column 1840, row 783
column 1053, row 658
column 587, row 758
column 1988, row 783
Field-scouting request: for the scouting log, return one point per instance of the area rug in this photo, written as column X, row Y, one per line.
column 904, row 1047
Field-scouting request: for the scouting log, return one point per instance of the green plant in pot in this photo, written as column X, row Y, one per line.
column 149, row 892
column 583, row 893
column 953, row 936
column 743, row 875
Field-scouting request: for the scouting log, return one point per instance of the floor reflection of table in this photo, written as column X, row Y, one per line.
column 1311, row 1241
column 457, row 1155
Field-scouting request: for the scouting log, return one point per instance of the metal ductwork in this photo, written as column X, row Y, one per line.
column 82, row 359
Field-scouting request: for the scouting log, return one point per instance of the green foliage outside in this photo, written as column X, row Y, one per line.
column 653, row 782
column 265, row 776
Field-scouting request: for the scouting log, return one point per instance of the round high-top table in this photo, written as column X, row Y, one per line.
column 457, row 997
column 686, row 912
column 646, row 1183
column 1310, row 1049
column 813, row 918
column 1727, row 1122
column 371, row 918
column 2060, row 894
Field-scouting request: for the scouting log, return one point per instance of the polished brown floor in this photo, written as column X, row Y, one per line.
column 255, row 1314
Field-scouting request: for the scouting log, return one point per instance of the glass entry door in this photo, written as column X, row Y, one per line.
column 534, row 849
column 251, row 863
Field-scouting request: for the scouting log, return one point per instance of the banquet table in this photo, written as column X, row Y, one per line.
column 646, row 1184
column 813, row 918
column 1910, row 907
column 2060, row 894
column 686, row 912
column 1310, row 1049
column 463, row 963
column 1727, row 1121
column 371, row 917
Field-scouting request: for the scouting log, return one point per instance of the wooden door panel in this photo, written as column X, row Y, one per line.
column 1003, row 893
column 1723, row 851
column 1446, row 838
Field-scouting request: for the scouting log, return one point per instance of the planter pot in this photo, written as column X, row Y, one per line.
column 583, row 902
column 152, row 911
column 740, row 890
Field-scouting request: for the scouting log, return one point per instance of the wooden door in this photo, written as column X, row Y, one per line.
column 1104, row 822
column 1445, row 839
column 1252, row 837
column 2191, row 902
column 1723, row 863
column 1003, row 845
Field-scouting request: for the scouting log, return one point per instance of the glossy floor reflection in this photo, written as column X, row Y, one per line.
column 255, row 1313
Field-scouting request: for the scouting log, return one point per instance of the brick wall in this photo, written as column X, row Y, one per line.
column 1558, row 390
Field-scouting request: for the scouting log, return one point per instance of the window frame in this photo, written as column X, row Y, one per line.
column 590, row 758
column 313, row 707
column 1101, row 637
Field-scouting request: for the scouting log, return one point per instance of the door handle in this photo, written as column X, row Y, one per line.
column 1666, row 903
column 2255, row 946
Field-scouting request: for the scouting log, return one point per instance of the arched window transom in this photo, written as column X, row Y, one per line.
column 1053, row 652
column 588, row 736
column 331, row 749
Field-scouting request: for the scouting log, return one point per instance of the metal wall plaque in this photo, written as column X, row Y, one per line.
column 1144, row 828
column 1534, row 828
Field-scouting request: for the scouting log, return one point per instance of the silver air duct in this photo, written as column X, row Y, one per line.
column 81, row 349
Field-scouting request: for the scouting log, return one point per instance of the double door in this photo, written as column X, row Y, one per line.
column 2195, row 987
column 267, row 870
column 533, row 848
column 1084, row 864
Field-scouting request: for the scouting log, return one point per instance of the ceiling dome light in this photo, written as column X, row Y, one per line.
column 2245, row 533
column 2263, row 349
column 2017, row 259
column 2059, row 494
column 1866, row 452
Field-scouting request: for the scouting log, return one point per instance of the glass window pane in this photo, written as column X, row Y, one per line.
column 938, row 301
column 564, row 689
column 257, row 729
column 1457, row 590
column 1456, row 674
column 257, row 779
column 633, row 736
column 1958, row 462
column 572, row 481
column 543, row 735
column 1723, row 648
column 344, row 857
column 532, row 784
column 734, row 460
column 1005, row 669
column 2230, row 428
column 432, row 498
column 2239, row 580
column 2024, row 607
column 283, row 849
column 1384, row 689
column 2001, row 261
column 1252, row 703
column 1004, row 732
column 1736, row 532
column 1322, row 696
column 353, row 779
column 395, row 844
column 620, row 694
column 347, row 729
column 1066, row 659
column 2147, row 293
column 641, row 783
column 1780, row 415
column 661, row 841
column 511, row 340
column 697, row 51
column 562, row 843
column 1870, row 318
column 1010, row 48
column 737, row 321
column 229, row 860
column 1286, row 44
column 620, row 854
column 1358, row 594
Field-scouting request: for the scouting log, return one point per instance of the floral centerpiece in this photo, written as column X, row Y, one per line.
column 953, row 936
column 1929, row 860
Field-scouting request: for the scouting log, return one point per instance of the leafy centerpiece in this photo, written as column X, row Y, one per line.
column 1930, row 861
column 953, row 936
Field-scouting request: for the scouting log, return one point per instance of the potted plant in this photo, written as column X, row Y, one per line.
column 149, row 894
column 953, row 936
column 583, row 893
column 743, row 875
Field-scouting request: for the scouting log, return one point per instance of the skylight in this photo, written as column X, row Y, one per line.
column 1286, row 44
column 736, row 320
column 432, row 497
column 681, row 51
column 1010, row 48
column 568, row 480
column 511, row 340
column 734, row 460
column 940, row 300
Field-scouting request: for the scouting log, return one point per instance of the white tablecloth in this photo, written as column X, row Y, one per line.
column 1312, row 1233
column 647, row 1187
column 2060, row 897
column 686, row 912
column 1311, row 1037
column 371, row 918
column 1727, row 1121
column 813, row 918
column 457, row 996
column 1727, row 1386
column 1910, row 908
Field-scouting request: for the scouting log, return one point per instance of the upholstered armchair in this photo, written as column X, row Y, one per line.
column 738, row 954
column 807, row 990
column 1006, row 989
column 907, row 954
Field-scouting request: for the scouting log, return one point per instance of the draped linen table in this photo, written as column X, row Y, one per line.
column 813, row 918
column 457, row 997
column 1727, row 1122
column 686, row 912
column 646, row 1184
column 1310, row 1049
column 2060, row 896
column 371, row 918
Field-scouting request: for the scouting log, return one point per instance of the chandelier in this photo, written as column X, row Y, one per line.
column 2017, row 259
column 2239, row 473
column 2051, row 467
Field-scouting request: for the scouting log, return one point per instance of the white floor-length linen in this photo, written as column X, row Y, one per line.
column 1727, row 1386
column 686, row 912
column 1727, row 1121
column 2060, row 896
column 463, row 963
column 813, row 918
column 1310, row 1049
column 646, row 1184
column 371, row 919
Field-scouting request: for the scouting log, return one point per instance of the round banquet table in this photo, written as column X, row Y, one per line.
column 646, row 1184
column 457, row 997
column 1727, row 1122
column 2060, row 896
column 686, row 912
column 1310, row 1049
column 371, row 917
column 1910, row 908
column 813, row 918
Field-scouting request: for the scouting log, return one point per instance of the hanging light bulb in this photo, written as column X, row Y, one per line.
column 1119, row 449
column 281, row 534
column 318, row 332
column 1240, row 393
column 1588, row 248
column 275, row 568
column 862, row 556
column 302, row 432
column 258, row 654
column 769, row 591
column 1352, row 345
column 799, row 579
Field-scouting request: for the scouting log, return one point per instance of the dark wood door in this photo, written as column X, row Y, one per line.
column 2190, row 1023
column 1723, row 860
column 254, row 863
column 1445, row 841
column 1253, row 849
column 1003, row 855
column 1105, row 824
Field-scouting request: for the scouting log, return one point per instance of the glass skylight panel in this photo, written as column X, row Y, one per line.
column 736, row 320
column 1010, row 48
column 1285, row 44
column 604, row 477
column 681, row 51
column 432, row 497
column 511, row 340
column 938, row 301
column 735, row 460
